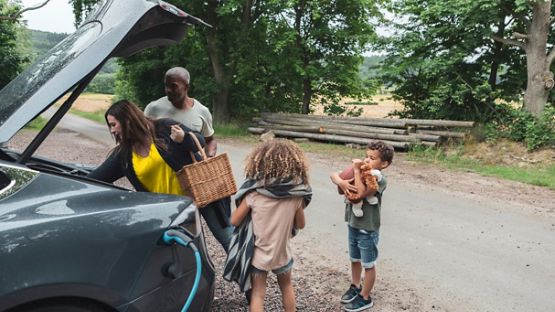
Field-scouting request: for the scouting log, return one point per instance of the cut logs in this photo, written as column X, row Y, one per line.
column 400, row 133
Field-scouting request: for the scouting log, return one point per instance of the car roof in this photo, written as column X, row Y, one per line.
column 112, row 29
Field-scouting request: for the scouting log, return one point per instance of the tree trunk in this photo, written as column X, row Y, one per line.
column 540, row 78
column 216, row 52
column 307, row 87
column 307, row 96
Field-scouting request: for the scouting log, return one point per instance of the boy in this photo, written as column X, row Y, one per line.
column 364, row 230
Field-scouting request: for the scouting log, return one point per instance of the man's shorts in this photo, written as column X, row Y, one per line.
column 363, row 246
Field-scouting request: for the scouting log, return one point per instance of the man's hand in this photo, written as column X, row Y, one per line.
column 211, row 146
column 177, row 134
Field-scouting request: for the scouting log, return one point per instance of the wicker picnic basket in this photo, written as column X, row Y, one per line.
column 209, row 179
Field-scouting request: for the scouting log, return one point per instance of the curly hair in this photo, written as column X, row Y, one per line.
column 275, row 161
column 386, row 150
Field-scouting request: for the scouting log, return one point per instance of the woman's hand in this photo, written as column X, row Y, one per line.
column 177, row 134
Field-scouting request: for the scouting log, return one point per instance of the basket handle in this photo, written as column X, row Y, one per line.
column 200, row 149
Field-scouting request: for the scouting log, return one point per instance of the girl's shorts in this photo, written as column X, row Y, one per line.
column 282, row 270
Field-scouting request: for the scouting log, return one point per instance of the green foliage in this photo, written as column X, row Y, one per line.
column 102, row 83
column 270, row 59
column 42, row 41
column 336, row 109
column 13, row 56
column 442, row 62
column 230, row 130
column 519, row 125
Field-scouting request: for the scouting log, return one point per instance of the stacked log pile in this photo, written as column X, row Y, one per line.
column 400, row 133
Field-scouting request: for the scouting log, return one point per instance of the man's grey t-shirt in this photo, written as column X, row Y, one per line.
column 197, row 117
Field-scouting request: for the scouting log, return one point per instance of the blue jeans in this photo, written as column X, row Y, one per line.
column 221, row 232
column 363, row 246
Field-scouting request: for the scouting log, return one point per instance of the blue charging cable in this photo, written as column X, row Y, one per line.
column 180, row 238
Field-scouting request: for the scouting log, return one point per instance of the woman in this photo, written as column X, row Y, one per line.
column 148, row 152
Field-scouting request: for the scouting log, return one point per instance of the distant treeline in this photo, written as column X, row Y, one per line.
column 42, row 41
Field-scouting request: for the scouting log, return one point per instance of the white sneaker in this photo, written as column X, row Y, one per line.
column 373, row 200
column 357, row 209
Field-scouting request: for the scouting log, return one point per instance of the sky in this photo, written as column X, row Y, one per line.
column 55, row 16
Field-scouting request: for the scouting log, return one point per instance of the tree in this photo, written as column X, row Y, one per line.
column 532, row 26
column 442, row 62
column 325, row 41
column 12, row 54
column 254, row 57
column 442, row 46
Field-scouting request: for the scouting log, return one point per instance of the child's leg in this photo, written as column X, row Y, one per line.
column 356, row 271
column 369, row 279
column 369, row 253
column 258, row 291
column 287, row 291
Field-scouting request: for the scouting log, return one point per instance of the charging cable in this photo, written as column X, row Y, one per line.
column 176, row 236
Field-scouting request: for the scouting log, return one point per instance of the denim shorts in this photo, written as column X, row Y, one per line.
column 363, row 246
column 284, row 269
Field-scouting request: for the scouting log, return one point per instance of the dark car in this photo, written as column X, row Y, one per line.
column 69, row 243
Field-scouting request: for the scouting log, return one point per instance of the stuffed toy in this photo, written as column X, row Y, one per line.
column 370, row 177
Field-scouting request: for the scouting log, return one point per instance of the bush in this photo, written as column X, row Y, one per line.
column 102, row 83
column 519, row 125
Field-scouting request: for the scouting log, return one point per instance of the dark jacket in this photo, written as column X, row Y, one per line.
column 176, row 155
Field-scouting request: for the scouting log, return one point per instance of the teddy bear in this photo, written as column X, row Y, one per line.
column 370, row 177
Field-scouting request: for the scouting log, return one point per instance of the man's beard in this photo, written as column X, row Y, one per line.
column 176, row 100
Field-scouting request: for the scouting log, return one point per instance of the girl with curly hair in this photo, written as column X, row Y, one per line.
column 272, row 202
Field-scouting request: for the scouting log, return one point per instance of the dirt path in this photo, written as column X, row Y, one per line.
column 428, row 229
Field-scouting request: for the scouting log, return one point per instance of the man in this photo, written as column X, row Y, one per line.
column 179, row 106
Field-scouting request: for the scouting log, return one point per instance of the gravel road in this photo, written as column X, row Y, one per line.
column 428, row 232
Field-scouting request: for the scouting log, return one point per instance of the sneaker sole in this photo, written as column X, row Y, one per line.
column 359, row 309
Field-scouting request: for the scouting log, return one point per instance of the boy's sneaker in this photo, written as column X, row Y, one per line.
column 357, row 209
column 359, row 304
column 350, row 294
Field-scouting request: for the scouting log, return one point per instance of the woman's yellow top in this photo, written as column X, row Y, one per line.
column 155, row 174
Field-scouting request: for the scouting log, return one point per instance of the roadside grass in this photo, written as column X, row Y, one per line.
column 97, row 116
column 36, row 124
column 540, row 175
column 454, row 159
column 232, row 130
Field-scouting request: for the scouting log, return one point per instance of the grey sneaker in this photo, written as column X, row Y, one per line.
column 350, row 294
column 359, row 304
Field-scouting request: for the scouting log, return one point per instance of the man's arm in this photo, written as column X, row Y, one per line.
column 211, row 146
column 150, row 110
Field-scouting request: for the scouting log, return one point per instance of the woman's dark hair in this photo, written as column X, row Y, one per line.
column 135, row 126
